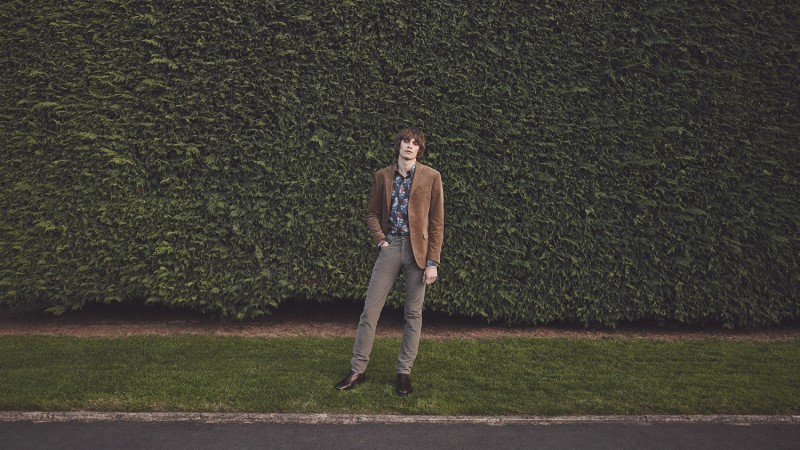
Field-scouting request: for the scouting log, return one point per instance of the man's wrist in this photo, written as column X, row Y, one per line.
column 432, row 263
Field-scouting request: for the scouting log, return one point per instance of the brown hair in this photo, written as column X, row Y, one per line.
column 410, row 133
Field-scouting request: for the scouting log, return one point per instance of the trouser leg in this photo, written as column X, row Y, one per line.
column 384, row 273
column 415, row 297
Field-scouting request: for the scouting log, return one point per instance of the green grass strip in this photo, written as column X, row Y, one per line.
column 502, row 376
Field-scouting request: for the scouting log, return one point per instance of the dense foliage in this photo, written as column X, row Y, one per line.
column 603, row 161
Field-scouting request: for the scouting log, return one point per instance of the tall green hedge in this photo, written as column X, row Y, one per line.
column 603, row 161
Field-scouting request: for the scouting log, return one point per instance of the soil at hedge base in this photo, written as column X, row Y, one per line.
column 338, row 319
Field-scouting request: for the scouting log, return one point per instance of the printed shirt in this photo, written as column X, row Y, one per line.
column 398, row 215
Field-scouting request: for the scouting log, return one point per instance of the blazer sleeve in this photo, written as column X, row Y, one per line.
column 375, row 208
column 436, row 220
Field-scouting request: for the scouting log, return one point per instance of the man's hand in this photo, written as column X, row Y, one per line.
column 431, row 274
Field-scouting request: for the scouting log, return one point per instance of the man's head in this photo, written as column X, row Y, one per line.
column 409, row 137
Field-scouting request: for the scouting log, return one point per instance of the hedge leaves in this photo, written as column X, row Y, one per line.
column 602, row 161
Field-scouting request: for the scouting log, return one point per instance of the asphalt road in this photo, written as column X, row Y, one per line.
column 195, row 435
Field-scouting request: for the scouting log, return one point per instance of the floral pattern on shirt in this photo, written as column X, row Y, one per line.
column 401, row 190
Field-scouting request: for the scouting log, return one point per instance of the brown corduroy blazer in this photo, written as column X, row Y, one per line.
column 425, row 211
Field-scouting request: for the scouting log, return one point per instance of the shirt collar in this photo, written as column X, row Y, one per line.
column 410, row 171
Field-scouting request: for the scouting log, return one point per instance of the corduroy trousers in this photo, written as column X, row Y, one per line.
column 392, row 259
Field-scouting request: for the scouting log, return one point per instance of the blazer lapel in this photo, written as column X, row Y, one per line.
column 419, row 175
column 388, row 181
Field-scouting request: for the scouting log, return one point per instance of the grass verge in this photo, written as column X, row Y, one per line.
column 451, row 377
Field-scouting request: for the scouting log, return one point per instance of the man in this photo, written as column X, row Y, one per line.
column 405, row 218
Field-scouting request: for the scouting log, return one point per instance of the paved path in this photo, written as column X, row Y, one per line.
column 207, row 431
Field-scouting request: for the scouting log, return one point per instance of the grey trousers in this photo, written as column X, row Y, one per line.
column 391, row 260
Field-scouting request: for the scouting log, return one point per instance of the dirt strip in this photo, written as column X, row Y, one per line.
column 340, row 320
column 335, row 329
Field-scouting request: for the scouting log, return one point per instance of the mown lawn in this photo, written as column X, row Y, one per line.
column 452, row 377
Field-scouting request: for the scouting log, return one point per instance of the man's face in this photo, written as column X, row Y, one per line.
column 409, row 149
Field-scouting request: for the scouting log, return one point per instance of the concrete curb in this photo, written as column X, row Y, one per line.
column 353, row 419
